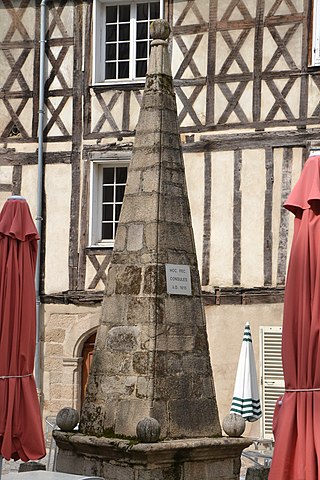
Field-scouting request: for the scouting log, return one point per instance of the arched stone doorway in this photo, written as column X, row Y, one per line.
column 87, row 353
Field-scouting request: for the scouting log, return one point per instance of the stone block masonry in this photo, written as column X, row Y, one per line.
column 153, row 337
column 151, row 357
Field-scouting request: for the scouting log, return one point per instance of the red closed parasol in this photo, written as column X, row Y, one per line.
column 297, row 415
column 21, row 434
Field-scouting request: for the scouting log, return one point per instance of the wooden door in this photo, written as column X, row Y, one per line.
column 87, row 354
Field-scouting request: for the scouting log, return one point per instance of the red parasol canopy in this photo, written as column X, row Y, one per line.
column 297, row 416
column 21, row 434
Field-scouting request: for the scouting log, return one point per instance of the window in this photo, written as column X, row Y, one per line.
column 122, row 39
column 315, row 53
column 108, row 181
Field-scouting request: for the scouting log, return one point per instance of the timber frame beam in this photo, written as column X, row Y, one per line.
column 255, row 140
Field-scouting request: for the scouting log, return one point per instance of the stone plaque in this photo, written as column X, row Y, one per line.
column 178, row 279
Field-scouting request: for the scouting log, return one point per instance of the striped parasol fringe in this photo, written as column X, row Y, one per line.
column 246, row 399
column 248, row 408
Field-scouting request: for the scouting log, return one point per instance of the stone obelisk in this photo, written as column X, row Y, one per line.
column 151, row 357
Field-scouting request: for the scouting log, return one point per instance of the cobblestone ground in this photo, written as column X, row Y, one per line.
column 11, row 466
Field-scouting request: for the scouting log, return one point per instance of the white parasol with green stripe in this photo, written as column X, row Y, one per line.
column 246, row 398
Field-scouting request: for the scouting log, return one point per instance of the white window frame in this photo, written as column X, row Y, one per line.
column 121, row 159
column 316, row 34
column 99, row 20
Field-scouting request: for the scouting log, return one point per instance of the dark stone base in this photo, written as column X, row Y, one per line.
column 116, row 459
column 258, row 473
column 31, row 467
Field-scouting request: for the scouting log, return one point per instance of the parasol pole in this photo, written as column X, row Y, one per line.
column 1, row 459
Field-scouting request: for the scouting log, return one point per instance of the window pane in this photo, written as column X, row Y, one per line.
column 107, row 212
column 107, row 231
column 141, row 68
column 107, row 195
column 124, row 13
column 142, row 11
column 123, row 51
column 154, row 10
column 108, row 175
column 142, row 31
column 111, row 33
column 119, row 193
column 118, row 210
column 124, row 31
column 111, row 14
column 111, row 51
column 121, row 174
column 142, row 48
column 110, row 70
column 123, row 70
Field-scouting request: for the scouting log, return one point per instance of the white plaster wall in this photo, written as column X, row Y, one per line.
column 253, row 185
column 5, row 174
column 225, row 327
column 194, row 167
column 221, row 254
column 313, row 98
column 29, row 186
column 3, row 198
column 236, row 13
column 58, row 194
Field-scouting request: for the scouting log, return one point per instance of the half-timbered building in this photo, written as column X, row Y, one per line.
column 246, row 75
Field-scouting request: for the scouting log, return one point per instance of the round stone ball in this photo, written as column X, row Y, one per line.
column 159, row 29
column 67, row 419
column 148, row 430
column 233, row 425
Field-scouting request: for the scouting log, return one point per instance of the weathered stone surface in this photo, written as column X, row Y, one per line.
column 150, row 179
column 189, row 415
column 148, row 430
column 134, row 186
column 117, row 472
column 123, row 338
column 154, row 337
column 135, row 237
column 154, row 280
column 55, row 335
column 234, row 425
column 258, row 473
column 31, row 467
column 140, row 311
column 187, row 459
column 67, row 419
column 144, row 387
column 138, row 210
column 128, row 280
column 160, row 30
column 133, row 410
column 142, row 362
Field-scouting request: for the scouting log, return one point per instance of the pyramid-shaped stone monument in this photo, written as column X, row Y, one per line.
column 151, row 358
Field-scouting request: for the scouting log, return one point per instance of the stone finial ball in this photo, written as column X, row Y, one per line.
column 67, row 419
column 160, row 30
column 148, row 430
column 233, row 425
